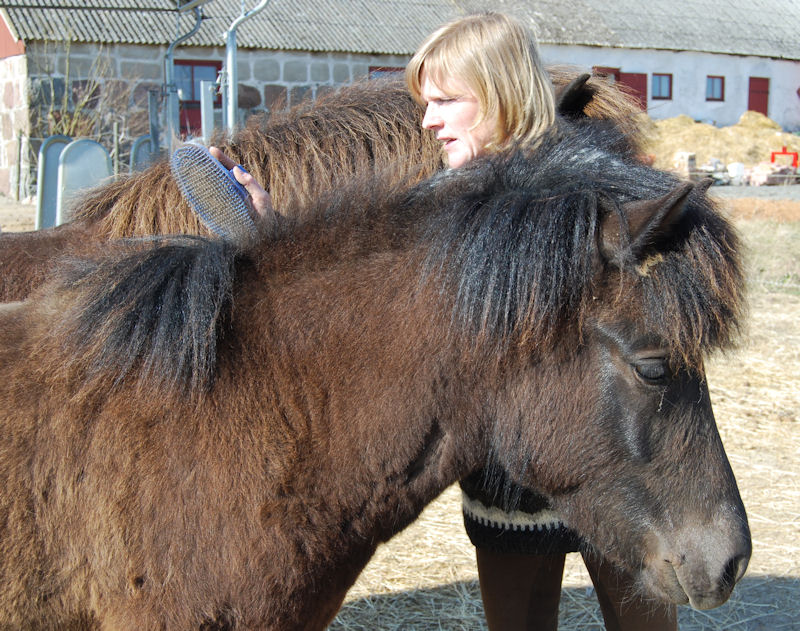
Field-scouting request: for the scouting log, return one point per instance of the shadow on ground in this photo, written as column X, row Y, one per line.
column 759, row 603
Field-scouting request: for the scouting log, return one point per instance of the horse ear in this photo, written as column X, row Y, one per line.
column 703, row 185
column 646, row 219
column 576, row 95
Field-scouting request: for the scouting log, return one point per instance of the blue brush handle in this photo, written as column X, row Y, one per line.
column 239, row 187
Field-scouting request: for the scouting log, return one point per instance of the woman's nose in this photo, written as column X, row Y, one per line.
column 431, row 118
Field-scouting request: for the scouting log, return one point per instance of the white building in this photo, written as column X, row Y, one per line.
column 703, row 58
column 710, row 60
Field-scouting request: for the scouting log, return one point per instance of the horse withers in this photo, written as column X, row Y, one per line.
column 197, row 436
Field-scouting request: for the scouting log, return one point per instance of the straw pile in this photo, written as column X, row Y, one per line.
column 750, row 141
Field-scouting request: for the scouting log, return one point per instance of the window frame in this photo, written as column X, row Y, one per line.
column 656, row 94
column 721, row 79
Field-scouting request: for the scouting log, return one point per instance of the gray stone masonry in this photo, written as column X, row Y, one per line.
column 268, row 79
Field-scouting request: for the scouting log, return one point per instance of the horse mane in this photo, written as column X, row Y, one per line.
column 368, row 127
column 511, row 239
column 599, row 99
column 139, row 205
column 516, row 242
column 150, row 310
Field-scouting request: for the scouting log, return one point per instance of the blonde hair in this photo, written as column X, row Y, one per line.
column 498, row 58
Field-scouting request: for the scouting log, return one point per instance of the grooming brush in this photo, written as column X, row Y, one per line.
column 212, row 191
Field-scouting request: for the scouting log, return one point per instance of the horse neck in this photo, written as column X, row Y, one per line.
column 371, row 391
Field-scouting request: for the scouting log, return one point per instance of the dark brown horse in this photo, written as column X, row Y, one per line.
column 198, row 437
column 370, row 127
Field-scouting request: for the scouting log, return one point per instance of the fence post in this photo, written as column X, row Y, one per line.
column 152, row 110
column 207, row 96
column 18, row 187
column 115, row 147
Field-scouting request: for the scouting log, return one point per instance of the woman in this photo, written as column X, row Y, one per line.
column 473, row 101
column 483, row 86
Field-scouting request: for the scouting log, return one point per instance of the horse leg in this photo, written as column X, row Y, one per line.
column 622, row 607
column 520, row 592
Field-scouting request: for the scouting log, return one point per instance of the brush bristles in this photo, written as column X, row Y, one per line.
column 213, row 193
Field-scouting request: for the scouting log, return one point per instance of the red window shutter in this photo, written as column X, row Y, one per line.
column 637, row 86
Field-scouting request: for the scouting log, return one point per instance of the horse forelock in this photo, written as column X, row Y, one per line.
column 518, row 247
column 146, row 314
column 692, row 290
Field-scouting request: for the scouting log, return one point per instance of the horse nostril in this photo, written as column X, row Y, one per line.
column 734, row 570
column 742, row 562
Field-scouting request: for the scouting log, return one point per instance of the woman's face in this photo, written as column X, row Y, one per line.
column 451, row 112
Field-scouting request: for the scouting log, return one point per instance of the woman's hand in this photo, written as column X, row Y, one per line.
column 260, row 199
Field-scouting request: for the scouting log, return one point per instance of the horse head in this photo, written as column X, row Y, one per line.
column 608, row 283
column 669, row 482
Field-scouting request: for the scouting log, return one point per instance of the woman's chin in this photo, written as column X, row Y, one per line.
column 456, row 158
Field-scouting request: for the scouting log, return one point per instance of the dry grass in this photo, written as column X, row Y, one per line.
column 771, row 231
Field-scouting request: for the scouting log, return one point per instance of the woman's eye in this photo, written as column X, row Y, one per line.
column 652, row 370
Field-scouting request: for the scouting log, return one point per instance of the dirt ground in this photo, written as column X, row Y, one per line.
column 425, row 578
column 16, row 216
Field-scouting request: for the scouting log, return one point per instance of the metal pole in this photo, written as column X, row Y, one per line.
column 170, row 89
column 115, row 142
column 152, row 111
column 230, row 74
column 207, row 94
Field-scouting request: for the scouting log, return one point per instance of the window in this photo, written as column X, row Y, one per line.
column 662, row 86
column 188, row 75
column 715, row 88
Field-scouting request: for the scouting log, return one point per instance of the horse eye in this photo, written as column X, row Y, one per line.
column 652, row 370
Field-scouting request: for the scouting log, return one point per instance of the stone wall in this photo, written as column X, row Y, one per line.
column 271, row 79
column 267, row 78
column 14, row 123
column 120, row 77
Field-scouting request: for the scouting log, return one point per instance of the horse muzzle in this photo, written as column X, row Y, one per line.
column 699, row 565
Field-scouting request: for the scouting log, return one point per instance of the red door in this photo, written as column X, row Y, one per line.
column 637, row 86
column 758, row 100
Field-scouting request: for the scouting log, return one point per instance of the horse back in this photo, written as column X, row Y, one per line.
column 28, row 259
